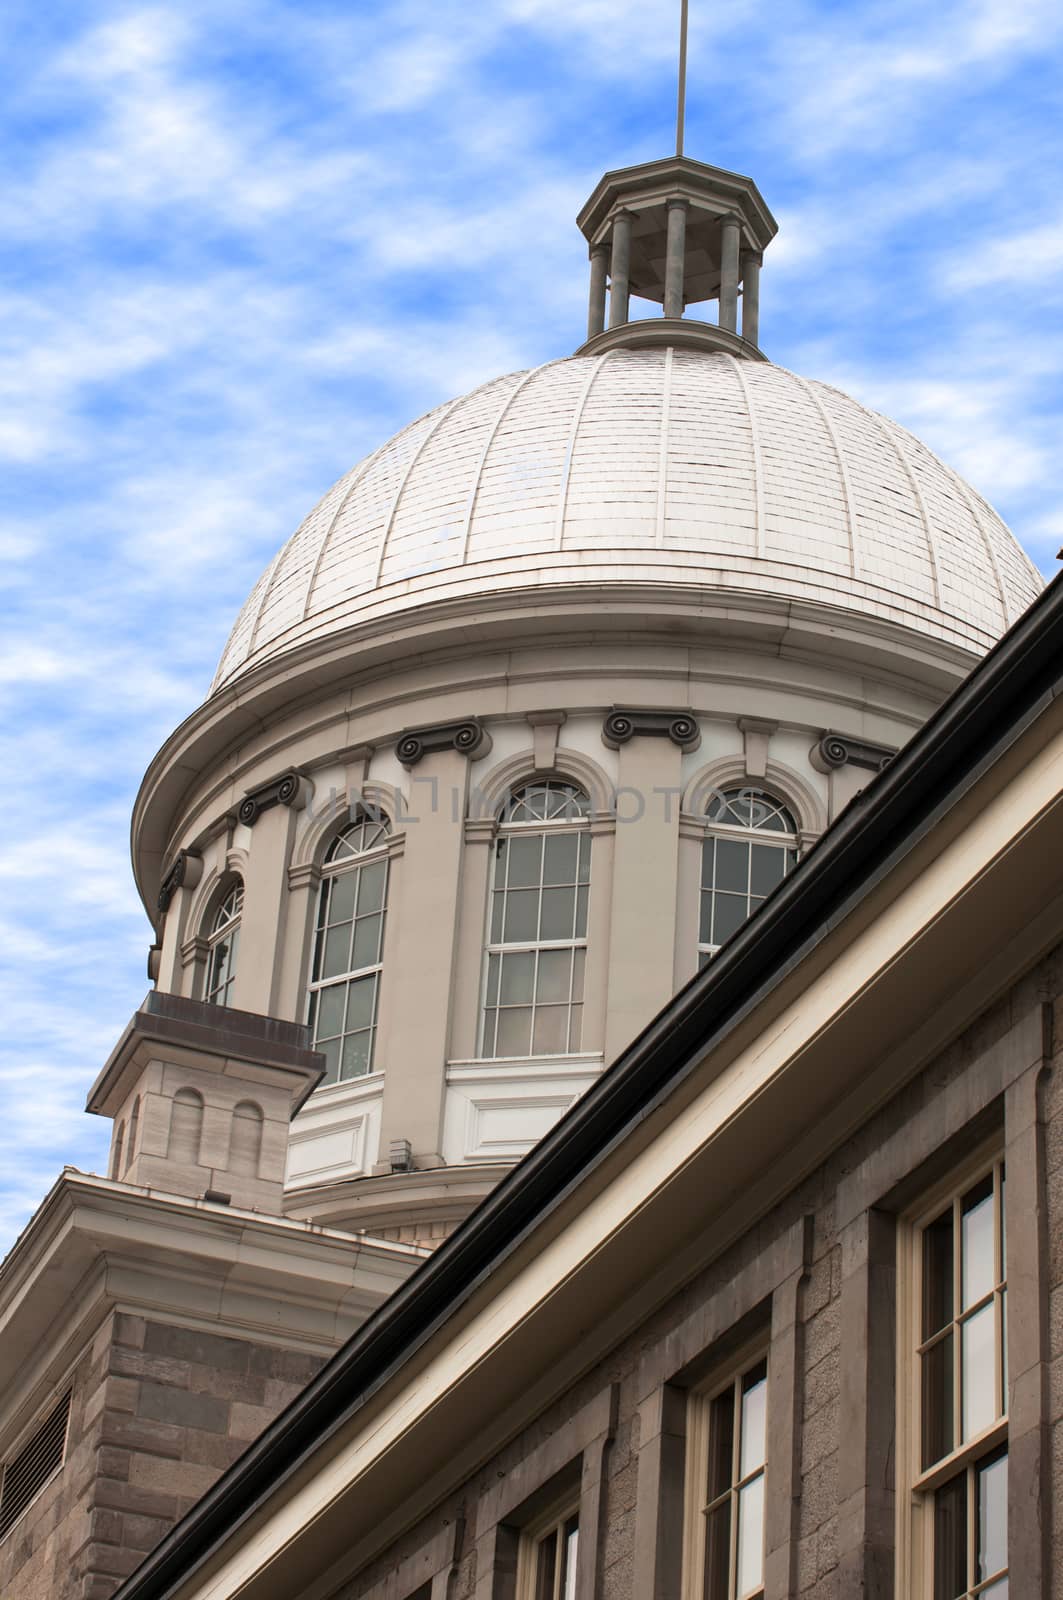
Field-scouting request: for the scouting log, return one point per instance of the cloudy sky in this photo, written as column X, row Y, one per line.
column 243, row 242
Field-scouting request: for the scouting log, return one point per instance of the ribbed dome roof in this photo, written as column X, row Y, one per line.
column 671, row 467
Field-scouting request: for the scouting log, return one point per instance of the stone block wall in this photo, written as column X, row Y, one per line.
column 158, row 1412
column 841, row 1532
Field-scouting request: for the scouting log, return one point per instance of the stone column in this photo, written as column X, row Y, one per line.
column 675, row 259
column 620, row 270
column 751, row 263
column 645, row 868
column 422, row 953
column 596, row 306
column 729, row 232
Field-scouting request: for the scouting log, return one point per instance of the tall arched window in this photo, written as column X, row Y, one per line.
column 348, row 948
column 750, row 846
column 222, row 944
column 537, row 928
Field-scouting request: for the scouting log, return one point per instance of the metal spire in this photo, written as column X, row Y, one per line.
column 682, row 95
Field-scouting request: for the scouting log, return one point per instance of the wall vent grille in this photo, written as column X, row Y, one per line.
column 27, row 1473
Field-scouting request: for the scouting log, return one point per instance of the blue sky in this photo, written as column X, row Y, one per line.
column 242, row 243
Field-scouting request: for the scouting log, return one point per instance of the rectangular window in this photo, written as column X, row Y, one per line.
column 547, row 1556
column 954, row 1358
column 726, row 1469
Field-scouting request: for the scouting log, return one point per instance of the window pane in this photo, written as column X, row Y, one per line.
column 992, row 1499
column 718, row 1552
column 518, row 978
column 978, row 1375
column 750, row 1564
column 732, row 865
column 493, row 963
column 522, row 909
column 937, row 1274
column 371, row 887
column 558, row 914
column 514, row 1032
column 498, row 905
column 721, row 1444
column 555, row 975
column 977, row 1268
column 361, row 994
column 767, row 868
column 708, row 863
column 545, row 1565
column 575, row 1027
column 550, row 1035
column 579, row 958
column 729, row 913
column 1003, row 1228
column 705, row 923
column 950, row 1539
column 337, row 951
column 330, row 1008
column 569, row 1553
column 356, row 1051
column 341, row 897
column 331, row 1051
column 525, row 858
column 754, row 1413
column 584, row 858
column 581, row 914
column 367, row 932
column 938, row 1422
column 560, row 858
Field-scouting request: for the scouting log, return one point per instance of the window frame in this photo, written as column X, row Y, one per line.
column 553, row 1521
column 218, row 993
column 379, row 851
column 787, row 840
column 489, row 1015
column 726, row 1375
column 919, row 1485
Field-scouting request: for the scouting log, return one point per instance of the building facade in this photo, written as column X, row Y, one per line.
column 538, row 706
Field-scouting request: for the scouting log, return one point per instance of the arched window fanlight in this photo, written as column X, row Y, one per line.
column 348, row 947
column 222, row 944
column 537, row 928
column 750, row 846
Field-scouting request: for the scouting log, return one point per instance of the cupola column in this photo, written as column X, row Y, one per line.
column 596, row 307
column 751, row 262
column 620, row 270
column 729, row 231
column 676, row 254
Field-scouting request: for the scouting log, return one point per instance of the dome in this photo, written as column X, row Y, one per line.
column 659, row 466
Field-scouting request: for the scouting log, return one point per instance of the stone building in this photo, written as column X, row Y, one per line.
column 539, row 704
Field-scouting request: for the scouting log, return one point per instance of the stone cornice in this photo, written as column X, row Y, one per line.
column 439, row 630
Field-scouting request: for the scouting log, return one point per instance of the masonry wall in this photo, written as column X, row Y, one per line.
column 818, row 1277
column 157, row 1414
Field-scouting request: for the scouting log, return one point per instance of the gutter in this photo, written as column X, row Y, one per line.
column 1014, row 684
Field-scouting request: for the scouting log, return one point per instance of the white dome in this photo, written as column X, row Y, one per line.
column 660, row 466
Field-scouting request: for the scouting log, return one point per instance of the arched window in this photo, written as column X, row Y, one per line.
column 116, row 1151
column 186, row 1127
column 134, row 1122
column 222, row 943
column 537, row 928
column 348, row 948
column 245, row 1146
column 750, row 847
